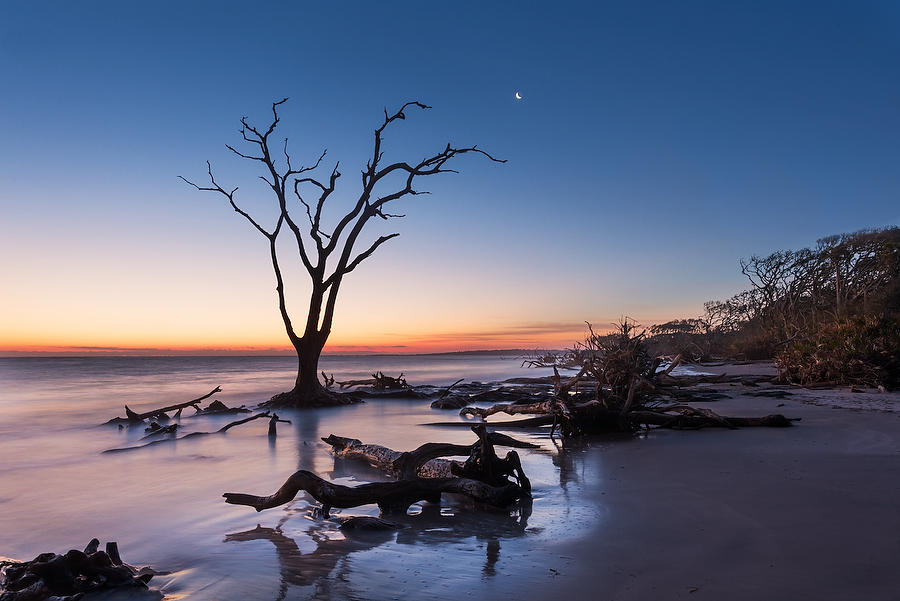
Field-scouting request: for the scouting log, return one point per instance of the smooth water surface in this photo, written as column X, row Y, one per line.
column 163, row 503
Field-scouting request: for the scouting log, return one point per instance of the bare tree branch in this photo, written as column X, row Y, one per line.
column 371, row 202
column 230, row 196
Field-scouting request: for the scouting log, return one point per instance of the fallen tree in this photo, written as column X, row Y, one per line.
column 161, row 414
column 425, row 461
column 483, row 477
column 629, row 391
column 391, row 497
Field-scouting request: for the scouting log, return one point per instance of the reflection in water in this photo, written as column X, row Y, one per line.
column 431, row 526
column 493, row 554
column 305, row 569
column 571, row 452
column 307, row 428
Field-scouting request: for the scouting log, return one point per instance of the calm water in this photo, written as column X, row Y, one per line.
column 163, row 503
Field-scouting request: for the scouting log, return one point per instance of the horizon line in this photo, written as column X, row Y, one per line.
column 167, row 353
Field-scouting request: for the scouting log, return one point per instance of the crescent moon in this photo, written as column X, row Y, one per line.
column 518, row 96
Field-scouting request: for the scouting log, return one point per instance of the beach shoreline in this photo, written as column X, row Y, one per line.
column 808, row 512
column 776, row 513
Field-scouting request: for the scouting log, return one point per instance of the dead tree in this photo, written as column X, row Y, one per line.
column 327, row 254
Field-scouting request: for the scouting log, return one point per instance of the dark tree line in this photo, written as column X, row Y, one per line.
column 848, row 282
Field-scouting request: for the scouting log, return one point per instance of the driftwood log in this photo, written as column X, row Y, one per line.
column 379, row 381
column 70, row 576
column 442, row 402
column 483, row 477
column 162, row 414
column 220, row 408
column 427, row 460
column 592, row 417
column 273, row 421
column 658, row 401
column 178, row 407
column 391, row 497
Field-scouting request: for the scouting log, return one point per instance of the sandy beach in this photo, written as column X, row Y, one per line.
column 808, row 512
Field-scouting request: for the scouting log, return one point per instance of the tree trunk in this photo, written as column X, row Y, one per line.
column 308, row 353
column 308, row 390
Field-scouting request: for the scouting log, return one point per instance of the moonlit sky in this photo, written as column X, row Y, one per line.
column 656, row 143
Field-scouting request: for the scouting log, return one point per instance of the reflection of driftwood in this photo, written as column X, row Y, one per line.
column 428, row 527
column 690, row 418
column 389, row 496
column 528, row 422
column 70, row 576
column 155, row 413
column 224, row 428
column 304, row 569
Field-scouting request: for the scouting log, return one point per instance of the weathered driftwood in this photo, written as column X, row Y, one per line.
column 596, row 417
column 442, row 402
column 220, row 408
column 68, row 577
column 224, row 428
column 483, row 463
column 483, row 477
column 390, row 393
column 425, row 461
column 155, row 413
column 273, row 421
column 509, row 409
column 390, row 497
column 156, row 430
column 378, row 380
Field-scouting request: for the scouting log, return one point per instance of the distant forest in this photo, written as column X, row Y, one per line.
column 828, row 314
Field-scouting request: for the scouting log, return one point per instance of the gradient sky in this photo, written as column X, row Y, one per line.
column 656, row 143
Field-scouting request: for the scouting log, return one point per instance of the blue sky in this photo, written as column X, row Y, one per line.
column 656, row 143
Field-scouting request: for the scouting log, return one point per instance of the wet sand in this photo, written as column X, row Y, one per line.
column 809, row 512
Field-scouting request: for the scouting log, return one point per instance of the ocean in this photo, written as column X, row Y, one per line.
column 163, row 504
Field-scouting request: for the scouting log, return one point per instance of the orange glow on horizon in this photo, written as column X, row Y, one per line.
column 522, row 337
